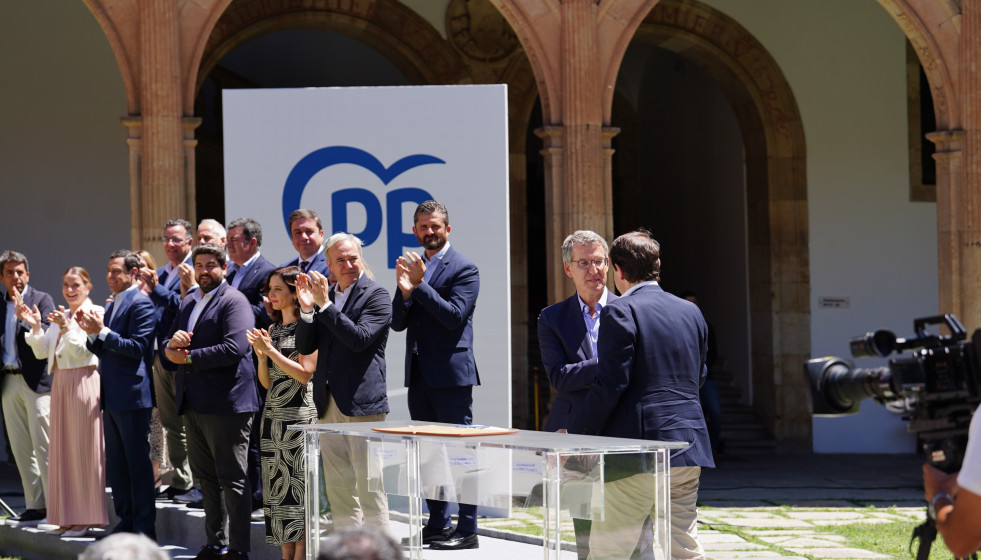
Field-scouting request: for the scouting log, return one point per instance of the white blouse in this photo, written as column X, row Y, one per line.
column 70, row 350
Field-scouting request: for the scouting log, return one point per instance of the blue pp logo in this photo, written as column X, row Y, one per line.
column 318, row 160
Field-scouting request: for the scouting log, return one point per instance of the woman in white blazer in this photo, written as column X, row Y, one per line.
column 76, row 499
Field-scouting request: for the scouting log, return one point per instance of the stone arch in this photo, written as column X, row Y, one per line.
column 919, row 19
column 776, row 195
column 389, row 27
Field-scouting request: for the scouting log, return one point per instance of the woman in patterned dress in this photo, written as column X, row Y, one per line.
column 76, row 458
column 287, row 377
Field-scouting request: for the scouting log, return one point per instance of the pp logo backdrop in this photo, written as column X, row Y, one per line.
column 363, row 158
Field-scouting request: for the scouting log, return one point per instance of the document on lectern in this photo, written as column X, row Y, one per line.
column 456, row 431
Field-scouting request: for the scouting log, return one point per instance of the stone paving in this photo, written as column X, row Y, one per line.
column 781, row 506
column 787, row 534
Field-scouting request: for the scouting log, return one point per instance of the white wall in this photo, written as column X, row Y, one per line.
column 64, row 176
column 845, row 62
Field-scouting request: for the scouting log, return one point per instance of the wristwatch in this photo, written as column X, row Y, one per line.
column 932, row 508
column 187, row 357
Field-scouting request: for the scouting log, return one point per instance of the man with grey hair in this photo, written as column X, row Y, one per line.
column 25, row 385
column 124, row 546
column 568, row 332
column 210, row 232
column 348, row 324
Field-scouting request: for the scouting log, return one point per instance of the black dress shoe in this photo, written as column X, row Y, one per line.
column 430, row 536
column 199, row 504
column 456, row 542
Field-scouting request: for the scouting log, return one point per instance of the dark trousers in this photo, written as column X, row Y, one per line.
column 217, row 445
column 128, row 468
column 453, row 405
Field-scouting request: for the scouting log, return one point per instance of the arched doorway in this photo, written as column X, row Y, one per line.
column 776, row 230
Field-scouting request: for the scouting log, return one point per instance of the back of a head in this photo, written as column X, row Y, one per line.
column 124, row 546
column 361, row 543
column 638, row 255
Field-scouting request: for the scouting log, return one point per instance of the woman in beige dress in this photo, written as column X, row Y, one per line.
column 76, row 458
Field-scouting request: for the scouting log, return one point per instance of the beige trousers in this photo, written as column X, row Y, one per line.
column 26, row 415
column 345, row 460
column 629, row 501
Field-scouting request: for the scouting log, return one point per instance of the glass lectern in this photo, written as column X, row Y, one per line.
column 568, row 471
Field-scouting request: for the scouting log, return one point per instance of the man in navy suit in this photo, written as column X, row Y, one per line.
column 26, row 385
column 348, row 324
column 217, row 397
column 248, row 272
column 307, row 234
column 434, row 303
column 165, row 283
column 123, row 341
column 567, row 334
column 651, row 348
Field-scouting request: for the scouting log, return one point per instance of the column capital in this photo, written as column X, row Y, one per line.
column 949, row 143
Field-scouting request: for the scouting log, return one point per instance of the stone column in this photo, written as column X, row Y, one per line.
column 968, row 195
column 163, row 174
column 948, row 155
column 134, row 141
column 578, row 177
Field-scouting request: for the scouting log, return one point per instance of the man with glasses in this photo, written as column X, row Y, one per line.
column 651, row 352
column 166, row 297
column 568, row 332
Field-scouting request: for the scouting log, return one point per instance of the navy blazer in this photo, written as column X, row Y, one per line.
column 351, row 344
column 651, row 349
column 253, row 287
column 439, row 319
column 319, row 263
column 166, row 302
column 126, row 355
column 567, row 356
column 221, row 377
column 34, row 370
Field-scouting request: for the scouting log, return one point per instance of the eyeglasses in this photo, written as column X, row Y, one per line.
column 174, row 240
column 586, row 264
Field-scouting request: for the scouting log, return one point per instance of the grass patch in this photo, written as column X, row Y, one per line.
column 891, row 539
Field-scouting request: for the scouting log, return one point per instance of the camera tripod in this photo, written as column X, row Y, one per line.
column 927, row 533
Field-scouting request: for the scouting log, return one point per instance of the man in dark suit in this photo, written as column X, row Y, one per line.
column 567, row 334
column 165, row 284
column 651, row 350
column 348, row 324
column 26, row 385
column 217, row 397
column 434, row 303
column 123, row 341
column 248, row 272
column 307, row 234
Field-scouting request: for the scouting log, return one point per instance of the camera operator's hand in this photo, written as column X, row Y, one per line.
column 959, row 516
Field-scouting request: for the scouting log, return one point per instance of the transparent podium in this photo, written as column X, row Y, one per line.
column 571, row 473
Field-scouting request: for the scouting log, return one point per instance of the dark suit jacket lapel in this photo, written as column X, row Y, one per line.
column 440, row 265
column 356, row 290
column 211, row 302
column 577, row 323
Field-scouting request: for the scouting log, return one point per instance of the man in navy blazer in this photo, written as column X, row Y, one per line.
column 217, row 397
column 652, row 348
column 434, row 303
column 165, row 285
column 123, row 341
column 26, row 385
column 348, row 325
column 307, row 235
column 248, row 272
column 567, row 334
